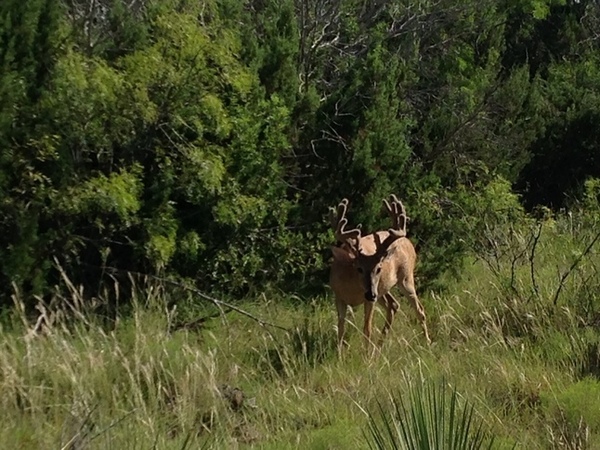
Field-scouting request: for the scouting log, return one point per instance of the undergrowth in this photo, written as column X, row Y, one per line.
column 516, row 337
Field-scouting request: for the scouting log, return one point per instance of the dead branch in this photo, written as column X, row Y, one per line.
column 218, row 303
column 535, row 239
column 573, row 267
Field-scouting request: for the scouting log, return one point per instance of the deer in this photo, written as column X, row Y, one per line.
column 366, row 268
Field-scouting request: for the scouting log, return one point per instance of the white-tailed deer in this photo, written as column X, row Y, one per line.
column 366, row 268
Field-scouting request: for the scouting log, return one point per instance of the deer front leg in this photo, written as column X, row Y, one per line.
column 391, row 306
column 408, row 289
column 368, row 326
column 342, row 309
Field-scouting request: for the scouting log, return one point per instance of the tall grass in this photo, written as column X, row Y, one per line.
column 521, row 356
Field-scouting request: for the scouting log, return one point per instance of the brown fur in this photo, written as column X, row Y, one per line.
column 385, row 260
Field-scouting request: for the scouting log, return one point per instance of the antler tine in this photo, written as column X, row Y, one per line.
column 339, row 222
column 398, row 215
column 401, row 213
column 336, row 214
column 390, row 210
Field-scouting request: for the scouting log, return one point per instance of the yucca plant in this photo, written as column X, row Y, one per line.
column 428, row 416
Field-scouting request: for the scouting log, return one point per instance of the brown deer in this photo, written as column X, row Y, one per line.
column 366, row 268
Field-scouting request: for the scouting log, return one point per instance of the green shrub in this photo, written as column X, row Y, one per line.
column 574, row 412
column 430, row 416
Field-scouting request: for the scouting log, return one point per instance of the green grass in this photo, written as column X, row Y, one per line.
column 524, row 369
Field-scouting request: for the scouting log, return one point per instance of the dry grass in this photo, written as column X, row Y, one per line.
column 74, row 380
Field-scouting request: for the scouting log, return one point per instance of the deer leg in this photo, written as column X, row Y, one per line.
column 408, row 289
column 342, row 309
column 391, row 306
column 368, row 327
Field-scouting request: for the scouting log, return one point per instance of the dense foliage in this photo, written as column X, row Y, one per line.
column 205, row 139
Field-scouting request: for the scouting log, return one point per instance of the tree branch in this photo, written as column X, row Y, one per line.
column 218, row 303
column 572, row 268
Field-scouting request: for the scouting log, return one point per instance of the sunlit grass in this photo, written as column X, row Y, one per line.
column 76, row 380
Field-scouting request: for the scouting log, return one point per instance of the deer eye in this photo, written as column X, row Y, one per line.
column 378, row 270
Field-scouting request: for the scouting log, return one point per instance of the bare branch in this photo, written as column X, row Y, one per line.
column 218, row 303
column 565, row 275
column 536, row 238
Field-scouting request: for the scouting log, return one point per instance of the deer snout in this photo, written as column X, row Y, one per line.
column 370, row 296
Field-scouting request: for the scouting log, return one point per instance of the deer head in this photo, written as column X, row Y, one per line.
column 367, row 254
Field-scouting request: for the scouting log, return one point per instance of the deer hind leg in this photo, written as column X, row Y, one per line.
column 391, row 307
column 408, row 289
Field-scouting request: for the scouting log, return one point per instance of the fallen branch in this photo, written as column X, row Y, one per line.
column 218, row 303
column 197, row 323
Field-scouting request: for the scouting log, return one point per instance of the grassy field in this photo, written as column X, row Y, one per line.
column 516, row 337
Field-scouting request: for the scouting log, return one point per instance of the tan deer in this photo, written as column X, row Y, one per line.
column 366, row 268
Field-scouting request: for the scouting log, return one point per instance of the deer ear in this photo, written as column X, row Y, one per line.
column 343, row 254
